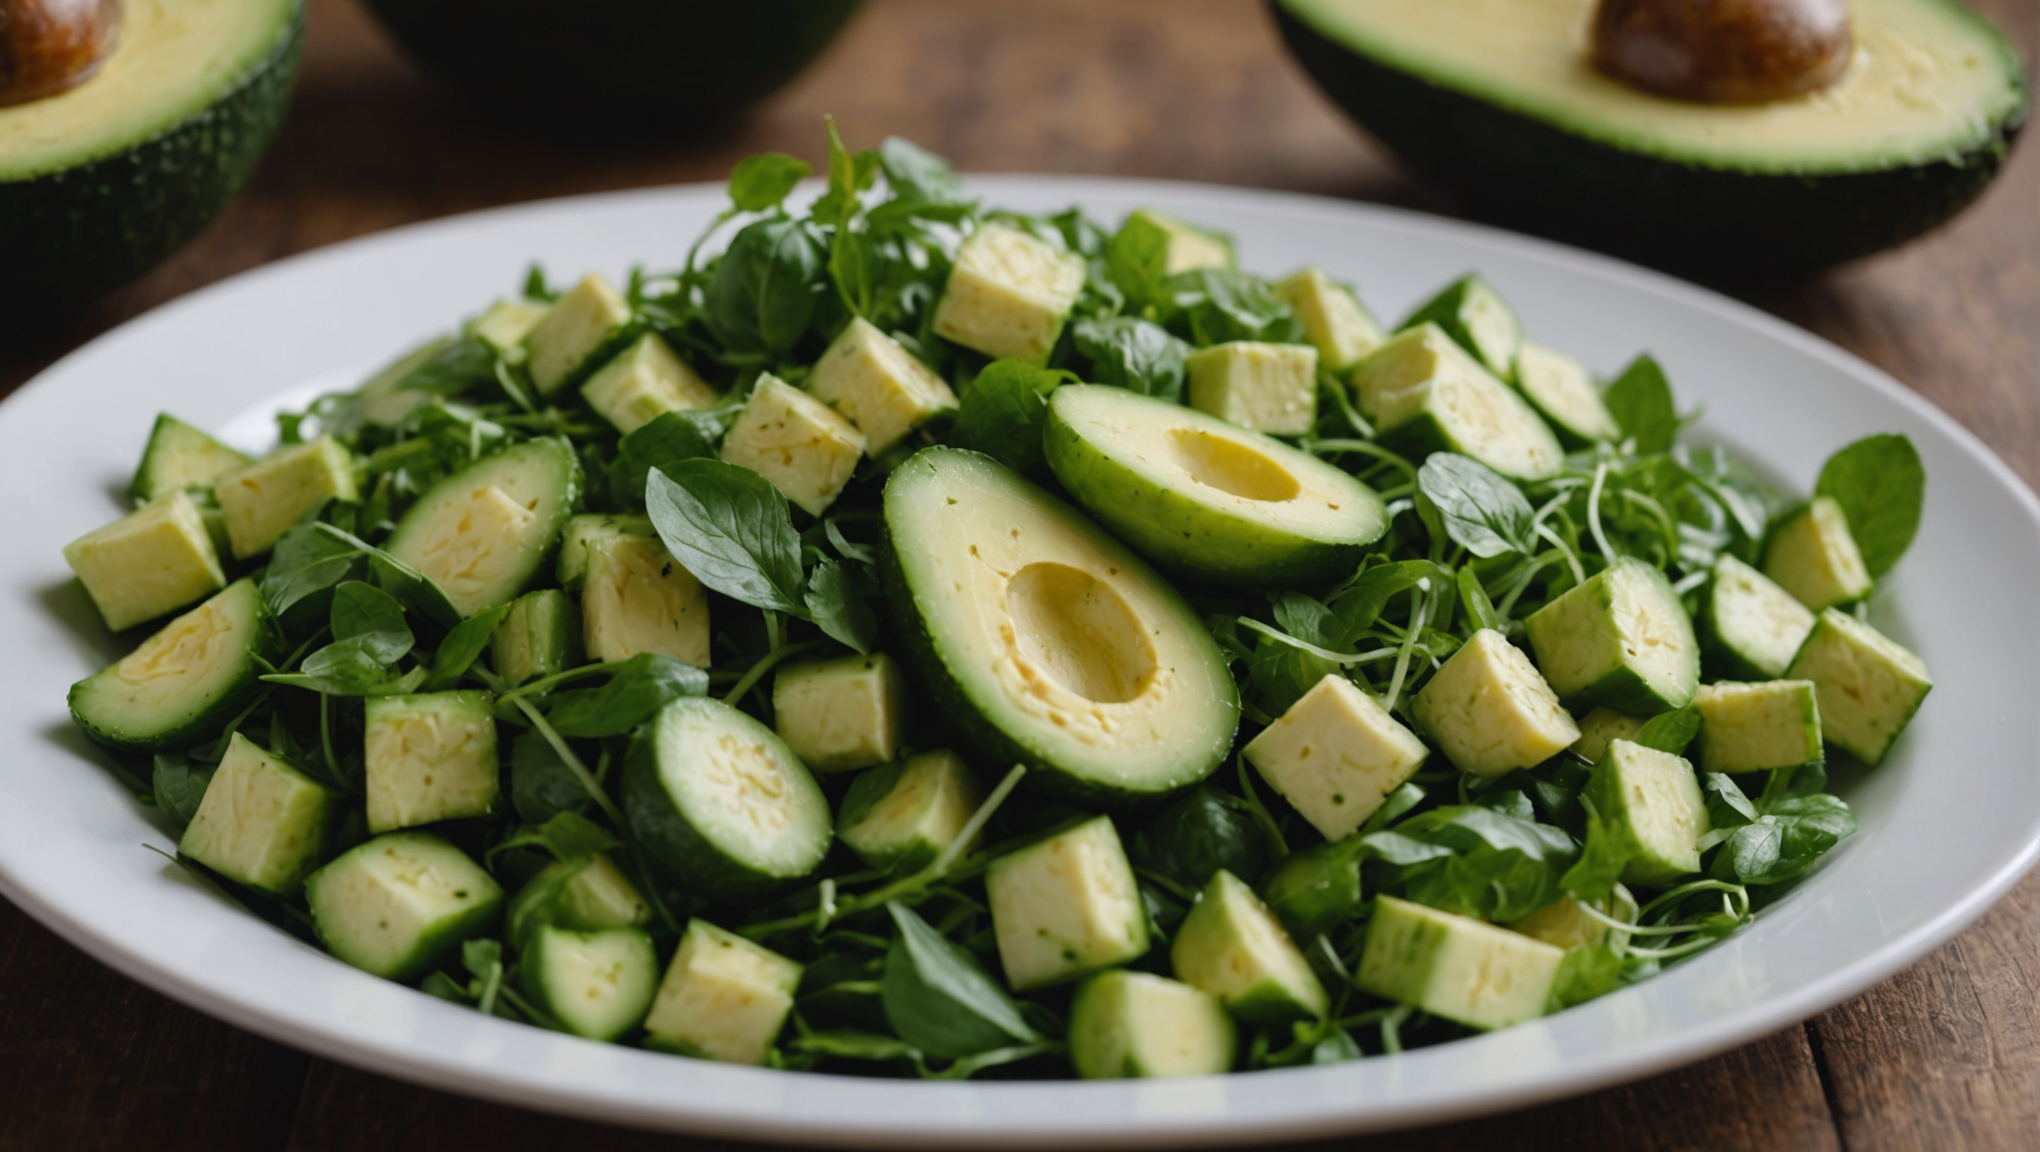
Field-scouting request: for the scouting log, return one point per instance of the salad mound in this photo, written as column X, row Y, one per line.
column 925, row 639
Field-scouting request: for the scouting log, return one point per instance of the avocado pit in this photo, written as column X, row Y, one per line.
column 1723, row 51
column 52, row 46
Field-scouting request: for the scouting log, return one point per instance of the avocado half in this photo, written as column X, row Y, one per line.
column 1497, row 99
column 100, row 183
column 665, row 62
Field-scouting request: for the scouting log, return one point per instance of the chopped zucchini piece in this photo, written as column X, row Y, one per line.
column 184, row 683
column 1066, row 906
column 154, row 560
column 878, row 386
column 1813, row 556
column 539, row 636
column 1622, row 639
column 1650, row 803
column 1564, row 393
column 262, row 822
column 1182, row 247
column 590, row 319
column 586, row 894
column 1335, row 755
column 723, row 998
column 1268, row 388
column 505, row 325
column 1334, row 320
column 1600, row 726
column 1131, row 1025
column 843, row 714
column 795, row 441
column 1490, row 712
column 398, row 905
column 1758, row 727
column 644, row 382
column 1231, row 946
column 430, row 757
column 1456, row 967
column 1477, row 319
column 179, row 457
column 1425, row 391
column 902, row 815
column 482, row 533
column 1750, row 628
column 1868, row 686
column 597, row 985
column 585, row 533
column 263, row 500
column 637, row 598
column 1008, row 294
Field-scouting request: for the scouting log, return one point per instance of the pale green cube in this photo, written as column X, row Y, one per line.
column 1622, row 639
column 1335, row 755
column 581, row 323
column 1813, row 556
column 586, row 894
column 505, row 325
column 1269, row 388
column 262, row 822
column 801, row 445
column 1066, row 906
column 430, row 757
column 1750, row 628
column 1601, row 726
column 1456, row 967
column 723, row 998
column 905, row 814
column 1758, row 727
column 180, row 456
column 152, row 561
column 878, row 386
column 586, row 533
column 1184, row 247
column 265, row 499
column 637, row 598
column 399, row 905
column 1478, row 320
column 1131, row 1025
column 1423, row 390
column 1231, row 946
column 1490, row 711
column 843, row 714
column 1334, row 320
column 1867, row 684
column 540, row 636
column 1565, row 394
column 1008, row 294
column 1650, row 805
column 644, row 382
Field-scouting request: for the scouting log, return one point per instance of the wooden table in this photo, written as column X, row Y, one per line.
column 1944, row 1055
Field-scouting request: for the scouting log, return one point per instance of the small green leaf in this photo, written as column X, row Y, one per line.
column 760, row 182
column 179, row 786
column 373, row 620
column 1480, row 611
column 1670, row 731
column 1131, row 353
column 1481, row 511
column 1641, row 401
column 636, row 691
column 461, row 648
column 732, row 529
column 1005, row 410
column 541, row 784
column 938, row 998
column 839, row 602
column 1882, row 489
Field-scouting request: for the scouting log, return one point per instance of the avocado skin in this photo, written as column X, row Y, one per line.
column 73, row 234
column 1709, row 220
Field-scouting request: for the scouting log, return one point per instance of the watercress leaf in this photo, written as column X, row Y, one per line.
column 1640, row 399
column 178, row 785
column 1670, row 731
column 1279, row 674
column 457, row 366
column 1393, row 847
column 761, row 181
column 541, row 784
column 914, row 173
column 1004, row 411
column 764, row 290
column 1587, row 972
column 411, row 587
column 731, row 528
column 344, row 668
column 568, row 835
column 1480, row 511
column 1788, row 837
column 1601, row 861
column 305, row 562
column 1304, row 617
column 462, row 647
column 1224, row 304
column 639, row 687
column 1466, row 827
column 666, row 441
column 373, row 619
column 854, row 266
column 1337, row 1047
column 1198, row 834
column 1356, row 607
column 1882, row 487
column 445, row 987
column 1498, row 884
column 1132, row 353
column 1137, row 261
column 1480, row 611
column 939, row 999
column 839, row 602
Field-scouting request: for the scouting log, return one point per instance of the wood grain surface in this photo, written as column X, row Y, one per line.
column 1945, row 1055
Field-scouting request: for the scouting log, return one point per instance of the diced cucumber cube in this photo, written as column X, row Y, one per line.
column 1750, row 628
column 903, row 815
column 1758, row 727
column 1456, row 967
column 1650, row 803
column 430, row 757
column 1813, row 556
column 795, row 441
column 843, row 714
column 262, row 822
column 1423, row 390
column 723, row 998
column 1008, row 294
column 878, row 386
column 1269, row 388
column 1563, row 923
column 397, row 905
column 1564, row 393
column 1066, row 906
column 1868, row 686
column 184, row 683
column 644, row 382
column 637, row 598
column 505, row 325
column 583, row 534
column 263, row 500
column 1599, row 727
column 597, row 985
column 1231, row 946
column 1334, row 320
column 587, row 894
column 179, row 457
column 1180, row 246
column 540, row 636
column 1622, row 639
column 1131, row 1025
column 1477, row 319
column 1335, row 755
column 1490, row 712
column 151, row 561
column 568, row 342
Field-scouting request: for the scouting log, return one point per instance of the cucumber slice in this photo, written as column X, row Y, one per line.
column 1599, row 727
column 1456, row 967
column 1750, row 628
column 262, row 821
column 430, row 757
column 902, row 816
column 843, row 714
column 724, row 998
column 154, row 560
column 184, row 683
column 397, row 905
column 1426, row 392
column 179, row 457
column 1758, row 727
column 721, row 803
column 262, row 501
column 481, row 533
column 1477, row 319
column 1044, row 641
column 1564, row 393
column 1268, row 388
column 1813, row 556
column 1867, row 684
column 1335, row 755
column 1622, row 639
column 587, row 894
column 598, row 985
column 1131, row 1025
column 1490, row 712
column 1231, row 946
column 585, row 533
column 1206, row 500
column 1651, row 805
column 1334, row 320
column 539, row 636
column 1066, row 906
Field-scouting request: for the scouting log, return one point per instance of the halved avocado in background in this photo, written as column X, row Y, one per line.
column 1499, row 99
column 100, row 182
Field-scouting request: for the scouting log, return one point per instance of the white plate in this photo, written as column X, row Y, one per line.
column 1949, row 823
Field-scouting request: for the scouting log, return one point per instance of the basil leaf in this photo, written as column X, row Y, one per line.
column 731, row 528
column 1497, row 884
column 1670, row 731
column 1197, row 835
column 1482, row 512
column 1588, row 971
column 838, row 600
column 179, row 785
column 344, row 669
column 1137, row 261
column 939, row 999
column 1131, row 353
column 371, row 619
column 1303, row 617
column 305, row 562
column 763, row 293
column 640, row 687
column 666, row 441
column 1787, row 838
column 760, row 182
column 541, row 785
column 1640, row 399
column 462, row 647
column 1882, row 488
column 1005, row 410
column 914, row 173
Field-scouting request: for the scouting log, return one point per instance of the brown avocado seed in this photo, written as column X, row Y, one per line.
column 1723, row 51
column 52, row 46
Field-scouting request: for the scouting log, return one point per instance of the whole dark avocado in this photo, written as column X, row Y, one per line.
column 1499, row 101
column 676, row 63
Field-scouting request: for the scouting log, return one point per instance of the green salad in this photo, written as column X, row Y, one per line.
column 932, row 640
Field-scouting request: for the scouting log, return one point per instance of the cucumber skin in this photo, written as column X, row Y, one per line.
column 207, row 721
column 672, row 844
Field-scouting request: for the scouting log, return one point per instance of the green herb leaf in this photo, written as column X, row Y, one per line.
column 1787, row 838
column 371, row 619
column 940, row 1000
column 1588, row 971
column 1601, row 862
column 1356, row 607
column 760, row 182
column 1670, row 731
column 304, row 563
column 541, row 784
column 666, row 441
column 1641, row 401
column 730, row 528
column 1480, row 611
column 1481, row 511
column 1005, row 409
column 763, row 294
column 1882, row 488
column 461, row 648
column 640, row 687
column 179, row 786
column 1131, row 353
column 1222, row 305
column 1196, row 835
column 914, row 173
column 838, row 600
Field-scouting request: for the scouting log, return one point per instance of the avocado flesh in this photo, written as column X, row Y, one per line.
column 1497, row 97
column 102, row 181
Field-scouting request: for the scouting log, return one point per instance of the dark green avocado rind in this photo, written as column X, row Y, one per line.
column 1667, row 211
column 72, row 234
